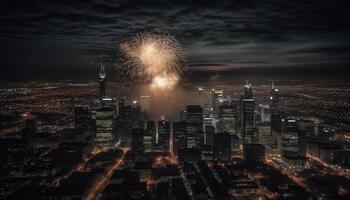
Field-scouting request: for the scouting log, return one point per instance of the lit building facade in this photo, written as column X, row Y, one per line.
column 228, row 118
column 179, row 135
column 217, row 99
column 105, row 127
column 194, row 119
column 163, row 135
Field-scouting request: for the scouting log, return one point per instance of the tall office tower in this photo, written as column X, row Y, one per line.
column 106, row 136
column 194, row 128
column 274, row 111
column 82, row 117
column 102, row 81
column 209, row 135
column 179, row 135
column 276, row 128
column 289, row 138
column 293, row 145
column 207, row 116
column 228, row 118
column 248, row 121
column 128, row 119
column 222, row 146
column 248, row 132
column 145, row 103
column 207, row 147
column 163, row 135
column 217, row 100
column 264, row 134
column 149, row 137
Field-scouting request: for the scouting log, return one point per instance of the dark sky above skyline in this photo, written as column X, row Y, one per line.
column 65, row 39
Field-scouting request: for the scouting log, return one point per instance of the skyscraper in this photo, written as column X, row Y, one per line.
column 207, row 115
column 222, row 146
column 82, row 117
column 248, row 120
column 264, row 133
column 274, row 112
column 105, row 127
column 149, row 137
column 248, row 116
column 289, row 138
column 102, row 81
column 217, row 99
column 179, row 135
column 293, row 145
column 248, row 133
column 163, row 135
column 194, row 121
column 209, row 135
column 228, row 118
column 105, row 135
column 128, row 118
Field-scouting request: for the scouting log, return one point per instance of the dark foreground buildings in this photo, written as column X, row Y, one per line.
column 238, row 146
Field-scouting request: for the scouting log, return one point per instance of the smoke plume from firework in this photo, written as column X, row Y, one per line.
column 152, row 57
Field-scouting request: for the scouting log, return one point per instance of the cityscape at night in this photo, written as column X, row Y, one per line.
column 178, row 100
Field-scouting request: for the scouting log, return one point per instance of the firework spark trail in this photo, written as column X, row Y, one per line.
column 152, row 57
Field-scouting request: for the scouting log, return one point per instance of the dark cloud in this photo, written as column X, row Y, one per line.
column 217, row 35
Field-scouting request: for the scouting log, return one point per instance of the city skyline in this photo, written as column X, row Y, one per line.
column 175, row 100
column 233, row 141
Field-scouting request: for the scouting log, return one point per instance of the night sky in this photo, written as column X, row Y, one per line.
column 259, row 38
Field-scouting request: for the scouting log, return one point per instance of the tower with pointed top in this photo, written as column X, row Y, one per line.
column 248, row 92
column 102, row 81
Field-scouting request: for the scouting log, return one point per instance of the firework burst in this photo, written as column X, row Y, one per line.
column 152, row 57
column 164, row 81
